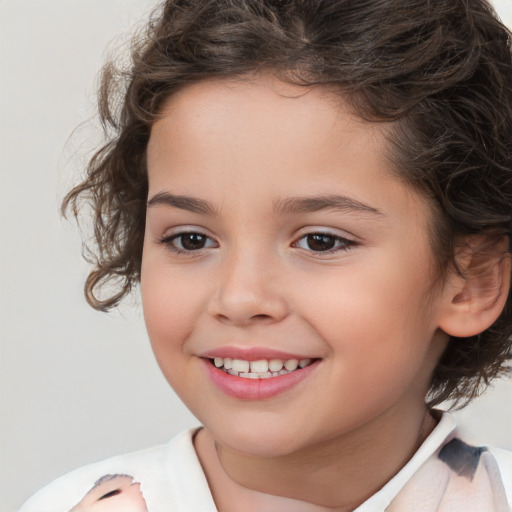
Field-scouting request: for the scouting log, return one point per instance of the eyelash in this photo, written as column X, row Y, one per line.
column 344, row 244
column 168, row 242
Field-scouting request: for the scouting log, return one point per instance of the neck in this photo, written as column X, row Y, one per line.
column 337, row 475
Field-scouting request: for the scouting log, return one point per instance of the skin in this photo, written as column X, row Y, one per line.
column 370, row 311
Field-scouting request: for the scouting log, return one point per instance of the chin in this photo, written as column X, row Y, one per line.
column 258, row 440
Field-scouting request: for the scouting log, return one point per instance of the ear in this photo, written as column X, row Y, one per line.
column 473, row 300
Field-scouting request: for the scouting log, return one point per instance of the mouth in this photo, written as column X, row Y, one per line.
column 261, row 368
column 256, row 378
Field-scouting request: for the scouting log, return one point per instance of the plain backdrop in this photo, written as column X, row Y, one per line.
column 77, row 385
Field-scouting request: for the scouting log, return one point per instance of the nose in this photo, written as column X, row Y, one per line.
column 247, row 291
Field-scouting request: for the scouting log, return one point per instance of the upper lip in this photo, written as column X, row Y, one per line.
column 252, row 353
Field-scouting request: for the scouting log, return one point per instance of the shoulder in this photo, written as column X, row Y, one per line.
column 478, row 469
column 447, row 472
column 492, row 465
column 504, row 460
column 140, row 479
column 76, row 487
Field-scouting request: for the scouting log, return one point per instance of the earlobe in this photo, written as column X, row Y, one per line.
column 474, row 300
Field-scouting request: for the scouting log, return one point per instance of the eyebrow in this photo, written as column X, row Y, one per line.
column 323, row 202
column 282, row 206
column 190, row 204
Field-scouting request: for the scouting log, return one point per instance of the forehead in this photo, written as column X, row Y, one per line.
column 215, row 95
column 258, row 112
column 254, row 132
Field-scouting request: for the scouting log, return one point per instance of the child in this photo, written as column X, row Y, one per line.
column 316, row 199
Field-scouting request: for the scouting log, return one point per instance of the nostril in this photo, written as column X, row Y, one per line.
column 260, row 317
column 239, row 309
column 227, row 319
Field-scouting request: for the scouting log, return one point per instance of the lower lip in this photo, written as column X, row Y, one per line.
column 257, row 389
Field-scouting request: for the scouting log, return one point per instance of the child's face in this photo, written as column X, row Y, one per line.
column 306, row 244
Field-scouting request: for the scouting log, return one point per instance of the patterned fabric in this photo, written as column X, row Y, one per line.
column 445, row 475
column 460, row 477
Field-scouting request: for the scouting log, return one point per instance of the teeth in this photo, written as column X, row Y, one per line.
column 274, row 365
column 239, row 365
column 291, row 365
column 248, row 375
column 260, row 366
column 260, row 369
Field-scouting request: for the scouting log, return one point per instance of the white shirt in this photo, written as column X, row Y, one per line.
column 444, row 475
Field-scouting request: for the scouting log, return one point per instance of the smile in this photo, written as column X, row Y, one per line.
column 258, row 378
column 260, row 369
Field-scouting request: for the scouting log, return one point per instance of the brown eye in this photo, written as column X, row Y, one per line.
column 192, row 241
column 324, row 242
column 319, row 242
column 188, row 242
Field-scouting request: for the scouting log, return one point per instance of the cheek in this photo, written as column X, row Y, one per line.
column 374, row 319
column 364, row 300
column 377, row 352
column 167, row 314
column 171, row 303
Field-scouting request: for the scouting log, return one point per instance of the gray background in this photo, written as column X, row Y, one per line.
column 77, row 385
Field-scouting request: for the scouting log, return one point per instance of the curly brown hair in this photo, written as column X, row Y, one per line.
column 440, row 71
